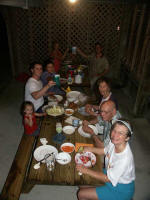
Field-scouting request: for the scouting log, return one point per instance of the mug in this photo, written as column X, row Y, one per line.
column 57, row 79
column 74, row 50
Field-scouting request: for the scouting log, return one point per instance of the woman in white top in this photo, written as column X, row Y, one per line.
column 119, row 172
column 106, row 94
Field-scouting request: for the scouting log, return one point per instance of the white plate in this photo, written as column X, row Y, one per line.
column 57, row 98
column 67, row 144
column 88, row 159
column 63, row 158
column 71, row 111
column 88, row 135
column 73, row 95
column 52, row 103
column 68, row 130
column 41, row 151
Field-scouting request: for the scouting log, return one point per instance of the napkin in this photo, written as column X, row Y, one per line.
column 71, row 118
column 43, row 141
column 78, row 145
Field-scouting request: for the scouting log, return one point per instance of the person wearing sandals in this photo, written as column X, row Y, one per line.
column 119, row 173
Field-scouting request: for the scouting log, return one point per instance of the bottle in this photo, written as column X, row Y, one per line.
column 69, row 81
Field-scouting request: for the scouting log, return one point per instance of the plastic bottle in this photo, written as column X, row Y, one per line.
column 69, row 81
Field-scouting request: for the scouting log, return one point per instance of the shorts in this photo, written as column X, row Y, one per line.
column 119, row 192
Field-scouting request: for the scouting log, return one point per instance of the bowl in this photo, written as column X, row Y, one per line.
column 88, row 159
column 67, row 147
column 69, row 111
column 55, row 111
column 63, row 158
column 68, row 130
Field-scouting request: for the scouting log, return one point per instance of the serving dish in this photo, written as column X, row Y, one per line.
column 67, row 147
column 63, row 158
column 88, row 159
column 69, row 111
column 55, row 110
column 87, row 135
column 68, row 130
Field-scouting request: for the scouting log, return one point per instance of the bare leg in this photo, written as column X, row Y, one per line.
column 87, row 194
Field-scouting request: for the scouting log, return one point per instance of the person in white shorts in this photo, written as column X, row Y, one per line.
column 119, row 173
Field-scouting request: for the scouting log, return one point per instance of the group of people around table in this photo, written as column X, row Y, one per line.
column 119, row 173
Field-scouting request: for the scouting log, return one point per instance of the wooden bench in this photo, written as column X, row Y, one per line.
column 15, row 179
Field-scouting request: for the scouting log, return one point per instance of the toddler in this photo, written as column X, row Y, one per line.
column 29, row 119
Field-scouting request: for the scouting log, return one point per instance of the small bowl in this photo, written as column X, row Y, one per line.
column 63, row 158
column 69, row 111
column 67, row 147
column 68, row 130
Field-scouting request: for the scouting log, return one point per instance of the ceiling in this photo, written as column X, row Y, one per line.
column 40, row 3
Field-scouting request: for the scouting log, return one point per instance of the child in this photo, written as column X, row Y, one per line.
column 48, row 75
column 29, row 119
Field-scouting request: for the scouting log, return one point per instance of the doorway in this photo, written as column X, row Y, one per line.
column 6, row 71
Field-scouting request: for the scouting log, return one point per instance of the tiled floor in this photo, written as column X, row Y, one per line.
column 11, row 132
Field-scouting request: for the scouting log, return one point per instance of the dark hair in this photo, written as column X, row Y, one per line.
column 54, row 43
column 24, row 104
column 49, row 61
column 97, row 43
column 121, row 123
column 104, row 79
column 32, row 65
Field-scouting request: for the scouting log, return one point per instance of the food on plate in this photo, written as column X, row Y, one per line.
column 88, row 159
column 73, row 106
column 69, row 111
column 55, row 110
column 84, row 159
column 68, row 149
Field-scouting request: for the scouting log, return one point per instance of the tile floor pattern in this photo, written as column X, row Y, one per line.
column 11, row 132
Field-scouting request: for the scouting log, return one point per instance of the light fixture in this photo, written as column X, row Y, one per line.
column 72, row 1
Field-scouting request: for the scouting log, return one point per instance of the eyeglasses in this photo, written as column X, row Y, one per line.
column 105, row 112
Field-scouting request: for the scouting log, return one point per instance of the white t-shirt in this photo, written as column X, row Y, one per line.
column 120, row 166
column 33, row 85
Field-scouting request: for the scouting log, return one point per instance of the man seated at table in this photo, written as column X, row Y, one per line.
column 103, row 122
column 34, row 90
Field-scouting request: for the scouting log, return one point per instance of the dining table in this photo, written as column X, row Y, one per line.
column 61, row 174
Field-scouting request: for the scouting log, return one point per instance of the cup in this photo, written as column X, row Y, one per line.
column 74, row 50
column 57, row 79
column 50, row 162
column 75, row 122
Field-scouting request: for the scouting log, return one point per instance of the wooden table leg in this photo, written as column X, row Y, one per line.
column 27, row 187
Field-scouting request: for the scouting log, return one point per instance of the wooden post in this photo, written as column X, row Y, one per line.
column 131, row 38
column 138, row 105
column 123, row 35
column 139, row 30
